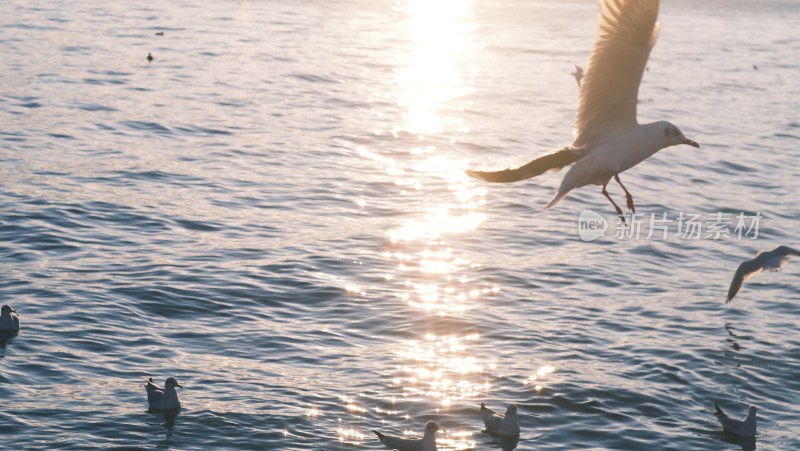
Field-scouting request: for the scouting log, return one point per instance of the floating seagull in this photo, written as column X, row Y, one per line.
column 578, row 74
column 426, row 443
column 163, row 398
column 741, row 428
column 764, row 261
column 149, row 57
column 501, row 425
column 9, row 320
column 608, row 138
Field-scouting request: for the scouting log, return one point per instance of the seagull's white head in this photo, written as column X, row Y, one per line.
column 171, row 382
column 7, row 310
column 673, row 136
column 432, row 427
column 511, row 409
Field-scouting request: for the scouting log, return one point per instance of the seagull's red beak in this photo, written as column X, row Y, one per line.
column 691, row 143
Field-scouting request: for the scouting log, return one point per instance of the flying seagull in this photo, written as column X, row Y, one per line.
column 9, row 320
column 163, row 398
column 578, row 74
column 608, row 138
column 764, row 261
column 501, row 425
column 426, row 443
column 741, row 428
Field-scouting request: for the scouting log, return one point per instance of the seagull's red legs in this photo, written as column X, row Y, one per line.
column 616, row 207
column 628, row 196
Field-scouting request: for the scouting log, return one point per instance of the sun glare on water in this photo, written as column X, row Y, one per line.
column 431, row 73
column 437, row 205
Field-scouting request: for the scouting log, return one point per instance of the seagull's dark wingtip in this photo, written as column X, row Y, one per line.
column 476, row 174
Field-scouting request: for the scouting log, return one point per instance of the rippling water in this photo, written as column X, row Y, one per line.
column 274, row 211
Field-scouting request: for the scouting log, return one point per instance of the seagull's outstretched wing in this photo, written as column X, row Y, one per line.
column 610, row 86
column 744, row 271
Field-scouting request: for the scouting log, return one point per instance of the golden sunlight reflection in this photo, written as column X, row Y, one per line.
column 432, row 270
column 441, row 368
column 541, row 375
column 434, row 71
column 434, row 277
column 350, row 435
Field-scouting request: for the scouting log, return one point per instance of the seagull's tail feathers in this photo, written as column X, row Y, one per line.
column 552, row 161
column 380, row 436
column 560, row 194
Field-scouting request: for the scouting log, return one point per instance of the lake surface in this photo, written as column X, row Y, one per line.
column 274, row 211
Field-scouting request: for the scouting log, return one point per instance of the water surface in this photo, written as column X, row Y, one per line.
column 274, row 211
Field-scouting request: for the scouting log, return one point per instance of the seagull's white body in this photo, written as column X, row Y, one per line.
column 9, row 320
column 501, row 425
column 426, row 443
column 745, row 428
column 612, row 157
column 163, row 398
column 608, row 138
column 773, row 260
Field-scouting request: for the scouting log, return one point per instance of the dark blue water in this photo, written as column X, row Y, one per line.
column 274, row 211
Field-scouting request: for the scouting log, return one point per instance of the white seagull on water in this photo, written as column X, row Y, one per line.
column 741, row 428
column 163, row 398
column 426, row 443
column 608, row 138
column 506, row 426
column 9, row 320
column 764, row 261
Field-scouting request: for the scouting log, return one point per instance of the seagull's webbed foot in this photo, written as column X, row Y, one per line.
column 616, row 207
column 628, row 196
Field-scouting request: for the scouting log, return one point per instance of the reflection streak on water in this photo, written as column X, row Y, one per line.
column 432, row 73
column 431, row 274
column 435, row 277
column 442, row 369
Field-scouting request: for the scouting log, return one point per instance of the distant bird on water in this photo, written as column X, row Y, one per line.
column 163, row 398
column 773, row 260
column 9, row 320
column 426, row 443
column 745, row 428
column 501, row 425
column 608, row 138
column 159, row 33
column 578, row 74
column 149, row 57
